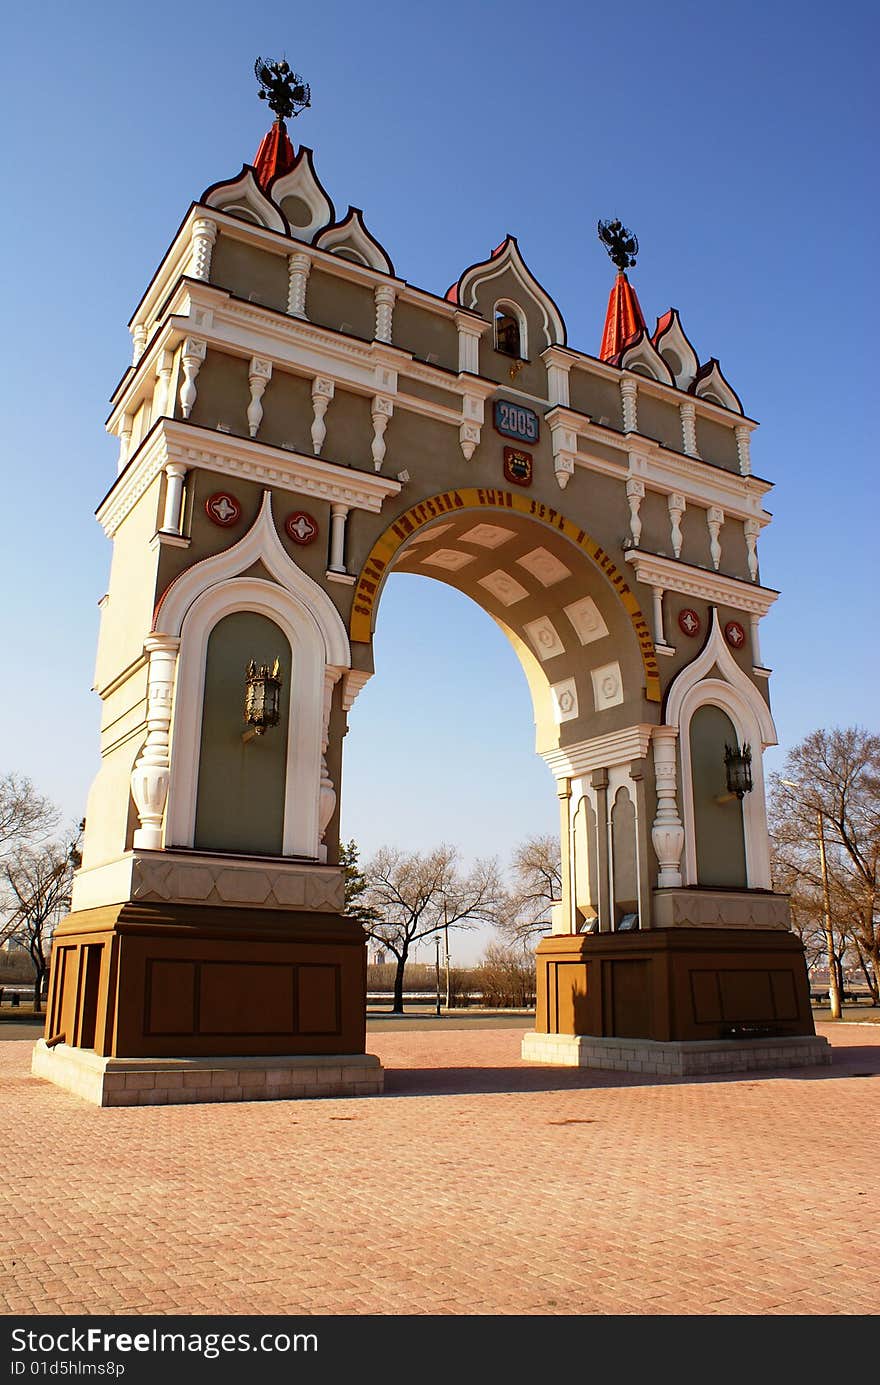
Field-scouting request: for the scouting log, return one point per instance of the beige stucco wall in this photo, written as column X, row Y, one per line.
column 425, row 334
column 331, row 301
column 249, row 272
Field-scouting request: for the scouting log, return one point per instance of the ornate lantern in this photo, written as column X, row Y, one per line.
column 262, row 697
column 738, row 767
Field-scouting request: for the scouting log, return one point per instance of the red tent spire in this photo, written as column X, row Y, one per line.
column 275, row 154
column 623, row 320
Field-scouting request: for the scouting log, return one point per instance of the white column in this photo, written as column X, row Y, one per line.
column 635, row 494
column 688, row 413
column 381, row 411
column 298, row 266
column 152, row 773
column 175, row 475
column 715, row 519
column 204, row 234
column 322, row 392
column 469, row 332
column 751, row 529
column 667, row 833
column 384, row 296
column 338, row 516
column 557, row 383
column 676, row 505
column 327, row 791
column 194, row 353
column 629, row 396
column 259, row 375
column 754, row 621
column 741, row 432
column 659, row 637
column 125, row 427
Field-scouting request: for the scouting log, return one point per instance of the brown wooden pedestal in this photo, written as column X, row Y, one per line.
column 177, row 980
column 674, row 984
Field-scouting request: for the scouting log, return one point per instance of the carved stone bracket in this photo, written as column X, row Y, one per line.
column 676, row 505
column 384, row 296
column 689, row 428
column 259, row 375
column 152, row 773
column 667, row 833
column 751, row 529
column 298, row 266
column 635, row 494
column 715, row 519
column 741, row 434
column 381, row 410
column 629, row 396
column 563, row 438
column 194, row 352
column 322, row 392
column 473, row 412
column 204, row 234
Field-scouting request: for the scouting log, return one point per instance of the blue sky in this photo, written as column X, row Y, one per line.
column 738, row 142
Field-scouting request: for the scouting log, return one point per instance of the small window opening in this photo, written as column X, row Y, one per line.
column 507, row 336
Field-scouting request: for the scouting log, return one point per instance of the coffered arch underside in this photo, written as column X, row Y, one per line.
column 573, row 621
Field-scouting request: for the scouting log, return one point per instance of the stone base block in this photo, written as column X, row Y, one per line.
column 175, row 1081
column 676, row 1059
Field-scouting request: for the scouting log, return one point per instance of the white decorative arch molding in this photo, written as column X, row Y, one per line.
column 507, row 308
column 184, row 619
column 735, row 694
column 642, row 358
column 302, row 182
column 711, row 385
column 508, row 257
column 351, row 235
column 244, row 193
column 669, row 336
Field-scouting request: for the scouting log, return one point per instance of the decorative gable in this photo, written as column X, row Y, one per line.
column 680, row 357
column 243, row 197
column 711, row 385
column 306, row 206
column 506, row 257
column 643, row 358
column 351, row 240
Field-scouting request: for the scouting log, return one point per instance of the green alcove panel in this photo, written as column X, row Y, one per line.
column 721, row 849
column 240, row 804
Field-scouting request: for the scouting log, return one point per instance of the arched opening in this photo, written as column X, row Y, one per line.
column 718, row 815
column 510, row 330
column 242, row 777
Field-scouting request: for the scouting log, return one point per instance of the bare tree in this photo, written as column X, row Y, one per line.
column 536, row 868
column 412, row 895
column 825, row 823
column 39, row 881
column 25, row 815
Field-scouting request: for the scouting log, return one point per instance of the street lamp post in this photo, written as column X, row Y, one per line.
column 437, row 967
column 446, row 932
column 834, row 996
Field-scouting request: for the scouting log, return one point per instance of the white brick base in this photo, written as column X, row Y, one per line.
column 679, row 1059
column 174, row 1081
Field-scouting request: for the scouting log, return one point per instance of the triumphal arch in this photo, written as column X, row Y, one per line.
column 298, row 422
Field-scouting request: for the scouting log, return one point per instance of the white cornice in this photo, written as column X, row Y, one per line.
column 194, row 447
column 714, row 587
column 615, row 748
column 669, row 472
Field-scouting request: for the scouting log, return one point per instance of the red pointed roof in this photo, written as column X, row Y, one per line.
column 623, row 320
column 275, row 154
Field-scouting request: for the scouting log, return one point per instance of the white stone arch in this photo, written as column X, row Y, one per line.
column 189, row 611
column 243, row 197
column 507, row 256
column 735, row 694
column 643, row 358
column 675, row 348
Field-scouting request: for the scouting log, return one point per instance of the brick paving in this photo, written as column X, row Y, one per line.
column 477, row 1185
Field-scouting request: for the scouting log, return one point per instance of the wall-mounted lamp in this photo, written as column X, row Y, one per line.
column 738, row 767
column 262, row 698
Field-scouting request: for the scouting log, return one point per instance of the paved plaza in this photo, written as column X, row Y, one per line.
column 476, row 1185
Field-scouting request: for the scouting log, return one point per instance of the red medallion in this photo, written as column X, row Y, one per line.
column 518, row 466
column 301, row 527
column 734, row 634
column 688, row 622
column 223, row 509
